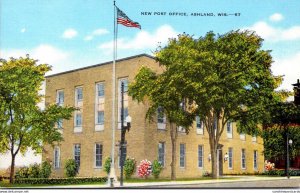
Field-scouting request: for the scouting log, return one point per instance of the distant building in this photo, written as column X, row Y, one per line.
column 87, row 136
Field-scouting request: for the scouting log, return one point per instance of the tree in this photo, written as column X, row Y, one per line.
column 226, row 76
column 284, row 122
column 157, row 91
column 22, row 123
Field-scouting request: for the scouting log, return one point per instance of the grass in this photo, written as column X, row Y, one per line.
column 141, row 180
column 6, row 184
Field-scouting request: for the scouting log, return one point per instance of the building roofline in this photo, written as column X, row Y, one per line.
column 100, row 64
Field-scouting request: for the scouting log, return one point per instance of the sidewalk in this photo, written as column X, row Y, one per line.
column 153, row 184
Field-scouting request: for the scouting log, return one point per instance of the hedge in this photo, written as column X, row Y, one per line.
column 63, row 181
column 292, row 172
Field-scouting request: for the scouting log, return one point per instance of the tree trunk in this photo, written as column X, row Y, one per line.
column 214, row 161
column 173, row 134
column 12, row 169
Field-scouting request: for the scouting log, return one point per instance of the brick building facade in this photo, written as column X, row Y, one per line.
column 87, row 136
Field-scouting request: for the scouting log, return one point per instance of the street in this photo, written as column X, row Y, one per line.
column 282, row 183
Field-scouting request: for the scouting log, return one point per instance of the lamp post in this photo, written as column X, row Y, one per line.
column 288, row 142
column 123, row 131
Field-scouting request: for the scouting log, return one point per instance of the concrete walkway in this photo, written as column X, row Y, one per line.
column 153, row 184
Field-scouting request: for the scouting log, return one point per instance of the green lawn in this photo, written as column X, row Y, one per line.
column 6, row 183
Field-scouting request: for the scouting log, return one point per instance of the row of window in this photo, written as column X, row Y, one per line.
column 99, row 105
column 98, row 154
column 182, row 156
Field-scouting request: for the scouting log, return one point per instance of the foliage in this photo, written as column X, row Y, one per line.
column 269, row 166
column 107, row 165
column 144, row 169
column 156, row 169
column 34, row 171
column 225, row 78
column 45, row 171
column 71, row 168
column 129, row 167
column 275, row 142
column 58, row 180
column 22, row 172
column 292, row 172
column 206, row 174
column 20, row 117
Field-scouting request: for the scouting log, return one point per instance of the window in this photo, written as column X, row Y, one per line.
column 98, row 154
column 230, row 158
column 60, row 97
column 254, row 139
column 229, row 129
column 160, row 115
column 79, row 95
column 100, row 118
column 182, row 155
column 77, row 154
column 99, row 106
column 60, row 123
column 199, row 126
column 242, row 136
column 56, row 157
column 100, row 89
column 200, row 156
column 243, row 159
column 78, row 121
column 161, row 153
column 255, row 159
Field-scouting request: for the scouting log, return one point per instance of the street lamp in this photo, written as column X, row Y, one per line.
column 288, row 143
column 123, row 131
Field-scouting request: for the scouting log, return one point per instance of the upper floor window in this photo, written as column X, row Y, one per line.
column 79, row 93
column 229, row 129
column 199, row 126
column 60, row 97
column 60, row 123
column 160, row 115
column 100, row 118
column 78, row 119
column 100, row 89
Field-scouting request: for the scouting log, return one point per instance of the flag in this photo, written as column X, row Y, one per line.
column 123, row 19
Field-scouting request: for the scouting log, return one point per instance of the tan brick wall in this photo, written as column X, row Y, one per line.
column 143, row 137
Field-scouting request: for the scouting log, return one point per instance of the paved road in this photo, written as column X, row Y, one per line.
column 282, row 183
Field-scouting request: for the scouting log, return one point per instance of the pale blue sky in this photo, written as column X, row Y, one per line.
column 77, row 33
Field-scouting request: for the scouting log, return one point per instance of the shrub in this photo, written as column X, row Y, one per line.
column 275, row 172
column 129, row 167
column 144, row 169
column 45, row 171
column 107, row 165
column 206, row 174
column 71, row 168
column 156, row 169
column 34, row 171
column 23, row 172
column 58, row 180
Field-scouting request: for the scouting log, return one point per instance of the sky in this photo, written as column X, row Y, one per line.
column 69, row 34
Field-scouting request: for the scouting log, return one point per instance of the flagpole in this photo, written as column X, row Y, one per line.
column 112, row 174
